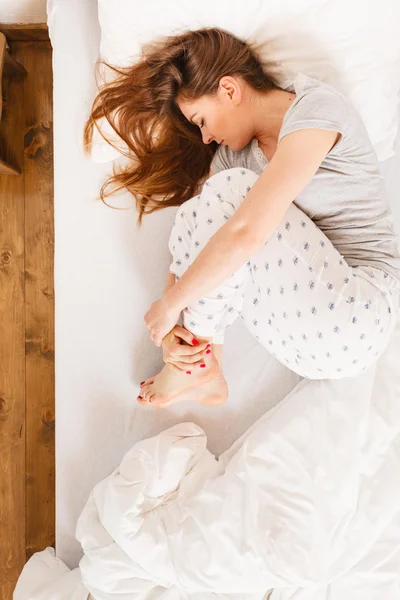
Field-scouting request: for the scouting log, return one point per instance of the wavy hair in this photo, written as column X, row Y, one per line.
column 169, row 161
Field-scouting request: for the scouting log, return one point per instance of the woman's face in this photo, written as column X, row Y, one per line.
column 222, row 117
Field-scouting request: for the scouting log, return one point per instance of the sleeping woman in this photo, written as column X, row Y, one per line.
column 283, row 217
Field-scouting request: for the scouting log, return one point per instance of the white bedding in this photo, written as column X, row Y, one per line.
column 107, row 273
column 306, row 503
column 354, row 46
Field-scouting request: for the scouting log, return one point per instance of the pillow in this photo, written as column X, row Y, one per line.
column 351, row 44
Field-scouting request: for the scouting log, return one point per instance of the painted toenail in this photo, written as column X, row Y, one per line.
column 188, row 372
column 208, row 351
column 203, row 365
column 208, row 346
column 195, row 342
column 142, row 382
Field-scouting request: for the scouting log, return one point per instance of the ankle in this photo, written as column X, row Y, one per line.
column 217, row 352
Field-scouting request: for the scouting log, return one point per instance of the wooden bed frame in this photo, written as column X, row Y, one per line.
column 8, row 67
column 27, row 386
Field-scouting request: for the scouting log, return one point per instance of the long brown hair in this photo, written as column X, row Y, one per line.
column 169, row 159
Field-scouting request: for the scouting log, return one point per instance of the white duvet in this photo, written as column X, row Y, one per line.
column 306, row 503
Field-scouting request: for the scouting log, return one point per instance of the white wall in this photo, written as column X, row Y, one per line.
column 23, row 11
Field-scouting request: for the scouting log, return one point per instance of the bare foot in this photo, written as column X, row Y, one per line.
column 171, row 381
column 212, row 393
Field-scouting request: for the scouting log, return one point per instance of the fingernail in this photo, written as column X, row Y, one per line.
column 208, row 351
column 208, row 346
column 188, row 372
column 195, row 342
column 203, row 365
column 142, row 382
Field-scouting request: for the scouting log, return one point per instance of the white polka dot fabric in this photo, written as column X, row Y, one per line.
column 297, row 295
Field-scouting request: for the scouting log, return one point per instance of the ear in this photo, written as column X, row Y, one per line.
column 231, row 89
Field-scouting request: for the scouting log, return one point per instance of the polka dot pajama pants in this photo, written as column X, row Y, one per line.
column 297, row 295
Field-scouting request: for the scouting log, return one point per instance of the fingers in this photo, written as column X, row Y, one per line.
column 177, row 350
column 187, row 336
column 186, row 359
column 189, row 359
column 186, row 366
column 156, row 339
column 183, row 333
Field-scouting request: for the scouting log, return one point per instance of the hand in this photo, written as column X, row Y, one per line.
column 160, row 319
column 183, row 355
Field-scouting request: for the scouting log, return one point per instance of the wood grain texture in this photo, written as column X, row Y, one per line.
column 9, row 67
column 23, row 32
column 12, row 358
column 39, row 298
column 11, row 151
column 27, row 462
column 6, row 169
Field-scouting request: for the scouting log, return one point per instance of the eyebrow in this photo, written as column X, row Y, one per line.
column 193, row 115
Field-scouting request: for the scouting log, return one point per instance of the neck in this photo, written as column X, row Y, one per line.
column 268, row 111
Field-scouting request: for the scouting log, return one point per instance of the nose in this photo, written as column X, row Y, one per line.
column 207, row 138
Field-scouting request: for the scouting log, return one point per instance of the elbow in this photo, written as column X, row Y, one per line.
column 248, row 237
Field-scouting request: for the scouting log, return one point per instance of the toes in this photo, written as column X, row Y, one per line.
column 146, row 383
column 142, row 401
column 144, row 394
column 145, row 391
column 149, row 401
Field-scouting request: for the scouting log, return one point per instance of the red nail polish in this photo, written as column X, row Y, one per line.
column 208, row 351
column 195, row 342
column 203, row 365
column 142, row 382
column 188, row 372
column 208, row 346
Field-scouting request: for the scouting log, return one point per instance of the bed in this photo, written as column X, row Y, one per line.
column 107, row 273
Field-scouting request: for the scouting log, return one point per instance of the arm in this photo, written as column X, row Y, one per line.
column 170, row 282
column 296, row 160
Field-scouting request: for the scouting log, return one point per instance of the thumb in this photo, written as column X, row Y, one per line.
column 184, row 334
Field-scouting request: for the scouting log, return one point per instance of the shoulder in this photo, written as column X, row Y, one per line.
column 317, row 105
column 310, row 87
column 319, row 96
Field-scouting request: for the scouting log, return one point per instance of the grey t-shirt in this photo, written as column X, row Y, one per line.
column 347, row 197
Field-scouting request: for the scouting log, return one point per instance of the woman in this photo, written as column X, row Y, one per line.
column 291, row 231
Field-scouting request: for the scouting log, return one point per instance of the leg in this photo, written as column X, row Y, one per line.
column 172, row 385
column 212, row 393
column 196, row 221
column 317, row 314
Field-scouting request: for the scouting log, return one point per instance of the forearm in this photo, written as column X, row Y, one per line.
column 206, row 273
column 170, row 282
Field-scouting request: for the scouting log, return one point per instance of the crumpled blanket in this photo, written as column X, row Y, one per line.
column 304, row 506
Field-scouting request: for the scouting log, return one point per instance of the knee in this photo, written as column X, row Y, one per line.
column 237, row 174
column 229, row 187
column 183, row 228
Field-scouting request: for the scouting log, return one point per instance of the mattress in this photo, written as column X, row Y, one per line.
column 107, row 273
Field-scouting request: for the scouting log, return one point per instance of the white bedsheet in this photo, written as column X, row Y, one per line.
column 307, row 502
column 107, row 273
